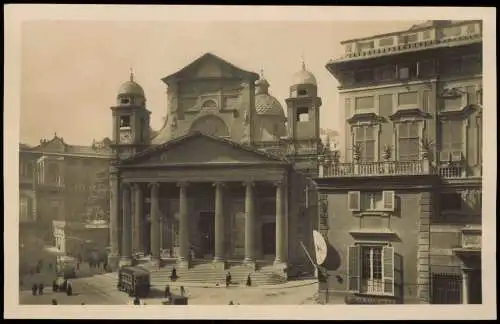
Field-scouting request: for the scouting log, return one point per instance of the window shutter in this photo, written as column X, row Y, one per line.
column 354, row 200
column 388, row 269
column 354, row 268
column 389, row 200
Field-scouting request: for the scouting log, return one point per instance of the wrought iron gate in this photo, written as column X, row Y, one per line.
column 446, row 288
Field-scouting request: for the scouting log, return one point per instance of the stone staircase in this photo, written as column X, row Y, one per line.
column 204, row 272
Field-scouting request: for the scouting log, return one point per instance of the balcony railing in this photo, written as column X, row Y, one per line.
column 446, row 171
column 376, row 168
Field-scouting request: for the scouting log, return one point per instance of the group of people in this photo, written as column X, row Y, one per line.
column 228, row 280
column 37, row 289
column 66, row 286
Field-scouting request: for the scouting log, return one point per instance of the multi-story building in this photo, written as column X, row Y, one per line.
column 56, row 184
column 401, row 207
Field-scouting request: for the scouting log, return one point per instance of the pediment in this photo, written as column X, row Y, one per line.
column 409, row 114
column 200, row 149
column 365, row 118
column 54, row 145
column 462, row 113
column 211, row 66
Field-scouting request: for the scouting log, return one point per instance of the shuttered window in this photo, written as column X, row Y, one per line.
column 365, row 138
column 388, row 269
column 371, row 270
column 451, row 138
column 408, row 142
column 354, row 200
column 353, row 268
column 389, row 200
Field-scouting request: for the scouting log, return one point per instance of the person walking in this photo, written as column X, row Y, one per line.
column 69, row 289
column 40, row 289
column 228, row 279
column 167, row 291
column 173, row 276
column 183, row 291
column 34, row 289
column 249, row 281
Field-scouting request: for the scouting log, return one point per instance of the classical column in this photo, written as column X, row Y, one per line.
column 114, row 209
column 219, row 221
column 183, row 223
column 138, row 211
column 465, row 286
column 249, row 223
column 126, row 225
column 280, row 224
column 155, row 222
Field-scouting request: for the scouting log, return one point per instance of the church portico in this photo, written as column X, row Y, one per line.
column 206, row 220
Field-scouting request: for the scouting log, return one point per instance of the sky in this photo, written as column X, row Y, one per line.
column 71, row 70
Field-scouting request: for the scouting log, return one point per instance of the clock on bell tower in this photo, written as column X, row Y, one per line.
column 130, row 120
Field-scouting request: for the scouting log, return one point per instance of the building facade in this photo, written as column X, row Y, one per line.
column 57, row 182
column 228, row 176
column 401, row 206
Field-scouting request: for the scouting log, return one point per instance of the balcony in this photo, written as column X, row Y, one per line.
column 363, row 169
column 452, row 171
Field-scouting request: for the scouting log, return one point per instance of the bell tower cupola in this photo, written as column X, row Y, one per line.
column 131, row 120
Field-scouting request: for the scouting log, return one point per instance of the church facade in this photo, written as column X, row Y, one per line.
column 227, row 179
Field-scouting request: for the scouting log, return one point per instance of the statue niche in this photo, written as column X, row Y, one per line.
column 210, row 125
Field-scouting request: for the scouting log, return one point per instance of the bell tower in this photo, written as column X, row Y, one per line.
column 303, row 107
column 130, row 120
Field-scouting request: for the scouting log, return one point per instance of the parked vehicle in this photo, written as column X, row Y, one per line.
column 66, row 266
column 134, row 280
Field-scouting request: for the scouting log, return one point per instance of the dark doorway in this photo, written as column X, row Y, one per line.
column 269, row 238
column 206, row 227
column 475, row 287
column 446, row 288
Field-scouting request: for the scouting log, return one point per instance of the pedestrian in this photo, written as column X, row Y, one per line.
column 183, row 291
column 40, row 289
column 137, row 301
column 54, row 301
column 249, row 281
column 54, row 285
column 69, row 289
column 228, row 279
column 173, row 276
column 34, row 289
column 167, row 291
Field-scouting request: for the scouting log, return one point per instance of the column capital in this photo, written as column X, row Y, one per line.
column 279, row 183
column 136, row 186
column 249, row 183
column 154, row 185
column 219, row 184
column 183, row 184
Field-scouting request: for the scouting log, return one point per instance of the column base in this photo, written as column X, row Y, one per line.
column 281, row 268
column 219, row 264
column 124, row 262
column 183, row 263
column 113, row 262
column 250, row 263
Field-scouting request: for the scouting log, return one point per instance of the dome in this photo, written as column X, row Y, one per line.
column 265, row 104
column 304, row 77
column 131, row 88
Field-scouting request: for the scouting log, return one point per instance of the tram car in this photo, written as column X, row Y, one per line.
column 135, row 281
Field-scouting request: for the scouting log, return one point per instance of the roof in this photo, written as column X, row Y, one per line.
column 59, row 146
column 251, row 75
column 265, row 104
column 131, row 88
column 424, row 25
column 181, row 139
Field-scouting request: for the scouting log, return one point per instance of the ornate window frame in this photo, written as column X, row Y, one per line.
column 368, row 119
column 407, row 116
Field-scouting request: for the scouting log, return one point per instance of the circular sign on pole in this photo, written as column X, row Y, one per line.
column 320, row 247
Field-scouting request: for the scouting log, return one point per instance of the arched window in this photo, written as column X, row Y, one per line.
column 210, row 125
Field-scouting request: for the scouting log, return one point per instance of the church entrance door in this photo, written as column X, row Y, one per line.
column 268, row 238
column 206, row 226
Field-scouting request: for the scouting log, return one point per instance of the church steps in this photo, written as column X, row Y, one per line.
column 206, row 272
